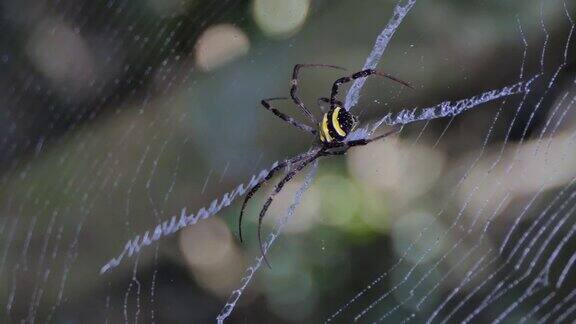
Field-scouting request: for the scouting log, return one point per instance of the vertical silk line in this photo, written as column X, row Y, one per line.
column 400, row 11
column 251, row 271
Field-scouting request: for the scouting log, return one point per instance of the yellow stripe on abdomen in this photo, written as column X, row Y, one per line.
column 336, row 123
column 324, row 129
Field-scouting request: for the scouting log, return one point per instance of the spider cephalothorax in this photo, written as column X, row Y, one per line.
column 332, row 132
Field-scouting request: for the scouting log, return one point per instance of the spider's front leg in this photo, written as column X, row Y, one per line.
column 294, row 87
column 286, row 118
column 361, row 74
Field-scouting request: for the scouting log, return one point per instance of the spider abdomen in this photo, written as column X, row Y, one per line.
column 335, row 125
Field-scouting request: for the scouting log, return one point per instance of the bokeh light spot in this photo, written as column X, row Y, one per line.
column 219, row 45
column 296, row 291
column 402, row 167
column 307, row 212
column 279, row 18
column 211, row 255
column 340, row 200
column 419, row 245
column 62, row 55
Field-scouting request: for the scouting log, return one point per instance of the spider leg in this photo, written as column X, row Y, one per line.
column 294, row 88
column 277, row 190
column 361, row 74
column 365, row 141
column 335, row 152
column 286, row 118
column 257, row 186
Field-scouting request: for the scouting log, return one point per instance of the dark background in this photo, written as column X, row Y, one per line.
column 115, row 115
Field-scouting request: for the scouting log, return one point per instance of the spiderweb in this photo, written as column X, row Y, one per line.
column 129, row 132
column 518, row 275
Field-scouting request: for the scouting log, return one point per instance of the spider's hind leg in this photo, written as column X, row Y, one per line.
column 258, row 185
column 277, row 190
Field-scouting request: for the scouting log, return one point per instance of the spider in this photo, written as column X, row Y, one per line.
column 330, row 132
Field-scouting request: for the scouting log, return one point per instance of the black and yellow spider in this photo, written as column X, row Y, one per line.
column 331, row 134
